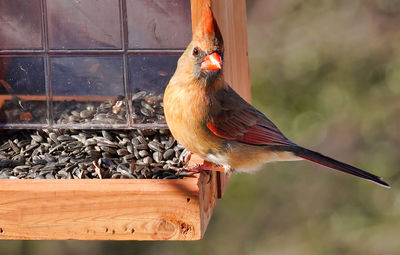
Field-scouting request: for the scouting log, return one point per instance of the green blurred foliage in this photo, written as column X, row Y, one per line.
column 327, row 72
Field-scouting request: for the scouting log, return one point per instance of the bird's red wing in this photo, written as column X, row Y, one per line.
column 239, row 121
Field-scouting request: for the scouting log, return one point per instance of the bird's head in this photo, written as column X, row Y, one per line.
column 205, row 52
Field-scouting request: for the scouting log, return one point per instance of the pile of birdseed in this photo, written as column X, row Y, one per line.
column 146, row 107
column 86, row 154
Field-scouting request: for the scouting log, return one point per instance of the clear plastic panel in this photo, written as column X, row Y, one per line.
column 149, row 75
column 88, row 63
column 88, row 24
column 22, row 91
column 88, row 91
column 20, row 24
column 159, row 24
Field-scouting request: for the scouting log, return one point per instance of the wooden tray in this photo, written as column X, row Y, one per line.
column 107, row 209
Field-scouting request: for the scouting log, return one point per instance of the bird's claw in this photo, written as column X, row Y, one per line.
column 188, row 171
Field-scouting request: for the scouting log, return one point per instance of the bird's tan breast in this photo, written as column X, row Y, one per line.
column 185, row 109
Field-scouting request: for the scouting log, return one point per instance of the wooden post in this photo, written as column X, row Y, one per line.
column 232, row 21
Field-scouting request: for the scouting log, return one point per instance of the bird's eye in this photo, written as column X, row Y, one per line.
column 196, row 51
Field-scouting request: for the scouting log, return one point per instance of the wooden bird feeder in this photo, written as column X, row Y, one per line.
column 108, row 48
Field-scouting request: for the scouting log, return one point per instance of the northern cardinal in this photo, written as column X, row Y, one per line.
column 209, row 118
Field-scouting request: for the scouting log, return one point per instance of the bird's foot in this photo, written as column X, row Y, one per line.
column 186, row 170
column 191, row 170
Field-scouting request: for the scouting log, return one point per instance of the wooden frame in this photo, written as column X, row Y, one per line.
column 106, row 209
column 129, row 209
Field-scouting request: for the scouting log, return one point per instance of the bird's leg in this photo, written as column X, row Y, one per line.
column 189, row 170
column 197, row 168
column 207, row 167
column 195, row 164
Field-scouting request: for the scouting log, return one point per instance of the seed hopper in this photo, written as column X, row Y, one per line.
column 85, row 152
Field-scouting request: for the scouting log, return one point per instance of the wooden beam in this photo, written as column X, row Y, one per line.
column 106, row 209
column 232, row 21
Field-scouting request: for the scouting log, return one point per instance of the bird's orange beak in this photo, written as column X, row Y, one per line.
column 212, row 62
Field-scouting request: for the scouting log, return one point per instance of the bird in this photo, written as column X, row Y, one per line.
column 209, row 118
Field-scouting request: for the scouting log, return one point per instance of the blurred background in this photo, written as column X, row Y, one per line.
column 327, row 72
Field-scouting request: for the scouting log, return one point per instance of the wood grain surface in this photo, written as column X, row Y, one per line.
column 106, row 209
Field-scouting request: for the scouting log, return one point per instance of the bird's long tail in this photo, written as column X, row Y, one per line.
column 337, row 165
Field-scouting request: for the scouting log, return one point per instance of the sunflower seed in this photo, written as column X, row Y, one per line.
column 168, row 154
column 106, row 135
column 138, row 95
column 37, row 138
column 157, row 156
column 62, row 138
column 13, row 146
column 155, row 146
column 122, row 152
column 53, row 137
column 86, row 114
column 143, row 153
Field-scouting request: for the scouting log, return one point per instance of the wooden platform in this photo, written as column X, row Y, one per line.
column 107, row 209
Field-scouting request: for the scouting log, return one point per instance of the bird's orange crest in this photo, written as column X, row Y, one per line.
column 207, row 30
column 208, row 21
